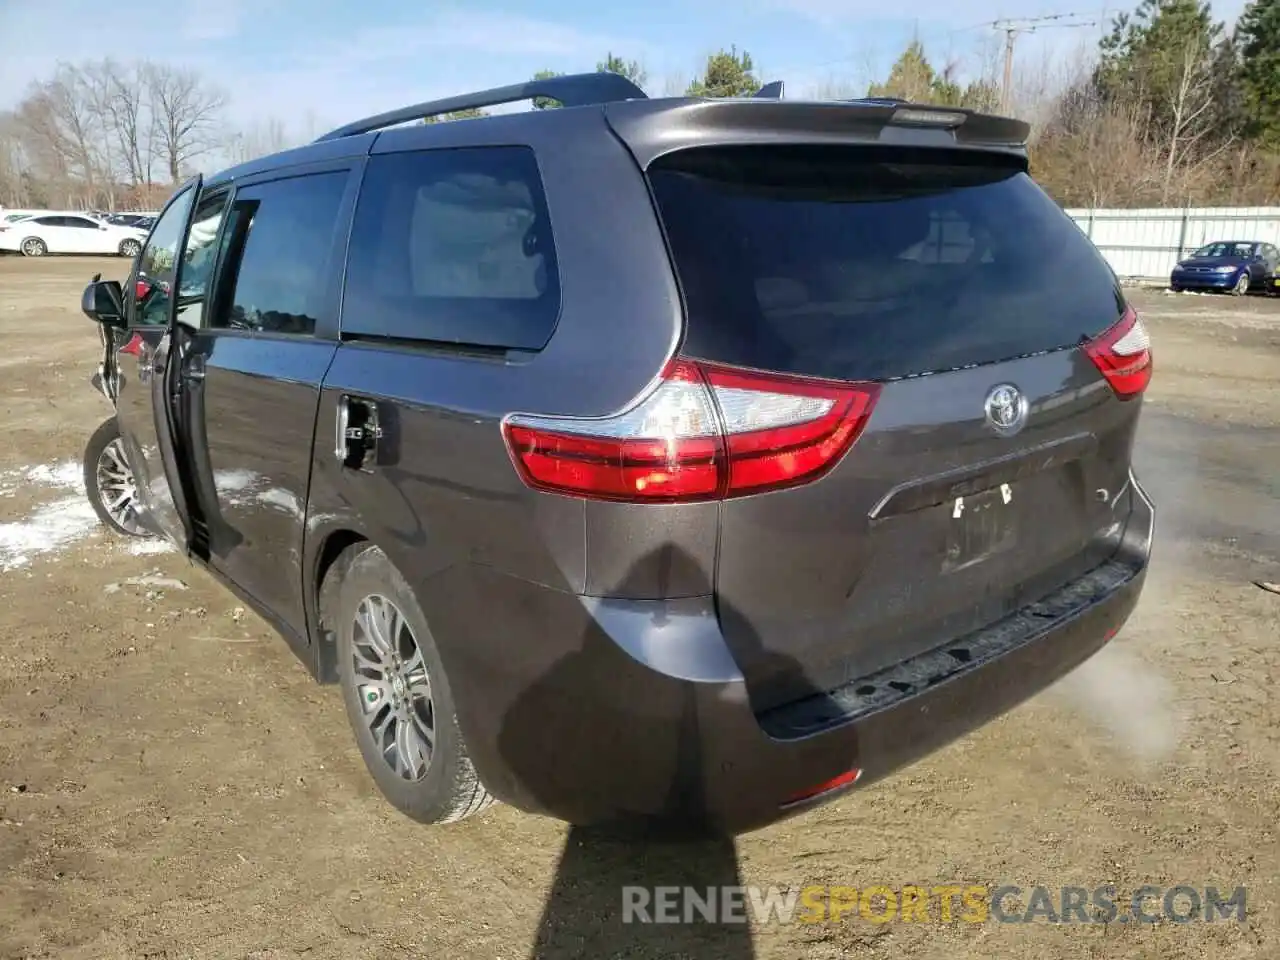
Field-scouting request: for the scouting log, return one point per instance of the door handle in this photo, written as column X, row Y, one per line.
column 356, row 431
column 193, row 369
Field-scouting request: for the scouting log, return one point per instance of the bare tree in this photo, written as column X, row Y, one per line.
column 187, row 111
column 838, row 88
column 674, row 85
column 1191, row 117
column 62, row 131
column 12, row 162
column 122, row 96
column 260, row 139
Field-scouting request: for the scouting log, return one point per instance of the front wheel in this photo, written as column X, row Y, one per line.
column 130, row 248
column 1242, row 285
column 108, row 482
column 397, row 695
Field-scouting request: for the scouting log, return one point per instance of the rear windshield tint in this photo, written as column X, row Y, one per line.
column 865, row 263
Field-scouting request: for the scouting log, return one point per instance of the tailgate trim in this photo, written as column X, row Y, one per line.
column 965, row 481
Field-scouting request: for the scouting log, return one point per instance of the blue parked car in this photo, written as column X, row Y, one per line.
column 1235, row 265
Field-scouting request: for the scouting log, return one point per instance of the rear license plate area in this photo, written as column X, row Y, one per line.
column 981, row 525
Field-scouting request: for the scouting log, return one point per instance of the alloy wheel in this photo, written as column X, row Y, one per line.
column 116, row 488
column 32, row 248
column 393, row 687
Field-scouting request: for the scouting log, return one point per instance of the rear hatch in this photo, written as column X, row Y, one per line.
column 994, row 465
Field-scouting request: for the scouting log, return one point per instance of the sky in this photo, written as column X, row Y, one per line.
column 316, row 64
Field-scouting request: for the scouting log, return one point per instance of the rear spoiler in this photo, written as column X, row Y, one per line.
column 654, row 128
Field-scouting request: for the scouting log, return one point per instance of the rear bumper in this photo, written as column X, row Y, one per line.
column 594, row 710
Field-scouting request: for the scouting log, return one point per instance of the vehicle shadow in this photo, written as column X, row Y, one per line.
column 606, row 869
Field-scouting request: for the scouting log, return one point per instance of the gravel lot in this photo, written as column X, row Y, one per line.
column 173, row 785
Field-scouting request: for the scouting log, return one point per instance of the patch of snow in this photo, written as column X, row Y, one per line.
column 68, row 475
column 145, row 548
column 48, row 528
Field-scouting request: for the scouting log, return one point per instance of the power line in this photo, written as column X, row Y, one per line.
column 1014, row 27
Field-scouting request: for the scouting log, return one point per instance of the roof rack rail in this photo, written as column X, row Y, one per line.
column 575, row 90
column 770, row 91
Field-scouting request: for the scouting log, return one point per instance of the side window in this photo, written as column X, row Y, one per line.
column 150, row 294
column 79, row 222
column 47, row 221
column 453, row 246
column 277, row 244
column 199, row 256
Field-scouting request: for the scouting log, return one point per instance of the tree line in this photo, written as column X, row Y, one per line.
column 1171, row 108
column 107, row 134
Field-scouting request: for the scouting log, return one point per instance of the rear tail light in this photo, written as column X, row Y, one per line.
column 134, row 346
column 846, row 779
column 705, row 432
column 1123, row 355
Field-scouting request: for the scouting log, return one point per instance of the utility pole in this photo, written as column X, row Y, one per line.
column 1006, row 87
column 1013, row 28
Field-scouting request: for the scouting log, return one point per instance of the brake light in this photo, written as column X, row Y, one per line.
column 705, row 432
column 1123, row 355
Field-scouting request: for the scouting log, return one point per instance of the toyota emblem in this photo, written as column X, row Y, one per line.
column 1006, row 409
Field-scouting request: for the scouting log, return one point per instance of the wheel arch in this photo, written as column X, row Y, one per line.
column 322, row 588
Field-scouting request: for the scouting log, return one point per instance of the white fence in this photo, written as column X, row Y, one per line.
column 1145, row 244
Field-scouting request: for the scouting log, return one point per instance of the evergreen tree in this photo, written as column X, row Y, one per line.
column 913, row 78
column 727, row 74
column 633, row 70
column 546, row 103
column 471, row 113
column 910, row 78
column 1258, row 36
column 1146, row 57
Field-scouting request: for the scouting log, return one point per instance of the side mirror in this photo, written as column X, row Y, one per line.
column 103, row 302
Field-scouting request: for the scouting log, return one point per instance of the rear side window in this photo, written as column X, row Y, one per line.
column 453, row 247
column 276, row 247
column 871, row 263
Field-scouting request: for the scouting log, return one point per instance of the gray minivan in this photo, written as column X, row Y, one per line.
column 681, row 459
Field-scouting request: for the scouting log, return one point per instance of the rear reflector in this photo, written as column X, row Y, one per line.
column 1123, row 355
column 705, row 432
column 846, row 779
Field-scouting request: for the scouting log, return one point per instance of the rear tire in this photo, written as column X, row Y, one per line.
column 108, row 482
column 130, row 248
column 393, row 682
column 33, row 247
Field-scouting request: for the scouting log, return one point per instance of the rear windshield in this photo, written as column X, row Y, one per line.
column 866, row 263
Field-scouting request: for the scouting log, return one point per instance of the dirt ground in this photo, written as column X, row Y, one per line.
column 173, row 785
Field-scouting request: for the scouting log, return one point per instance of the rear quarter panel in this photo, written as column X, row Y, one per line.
column 443, row 494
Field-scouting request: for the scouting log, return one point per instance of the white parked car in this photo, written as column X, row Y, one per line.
column 8, row 215
column 69, row 233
